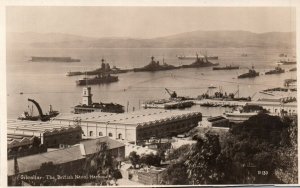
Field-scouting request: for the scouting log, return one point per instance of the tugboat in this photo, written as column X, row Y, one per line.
column 100, row 79
column 88, row 106
column 277, row 70
column 43, row 117
column 155, row 66
column 226, row 68
column 200, row 62
column 251, row 74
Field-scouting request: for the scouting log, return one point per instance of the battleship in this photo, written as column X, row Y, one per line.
column 277, row 70
column 105, row 68
column 183, row 57
column 89, row 106
column 251, row 74
column 99, row 79
column 200, row 62
column 155, row 66
column 53, row 59
column 226, row 68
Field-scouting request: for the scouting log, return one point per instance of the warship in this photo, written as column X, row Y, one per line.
column 277, row 70
column 251, row 74
column 155, row 66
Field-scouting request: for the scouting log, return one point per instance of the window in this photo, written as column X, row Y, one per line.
column 110, row 134
column 120, row 136
column 91, row 133
column 100, row 134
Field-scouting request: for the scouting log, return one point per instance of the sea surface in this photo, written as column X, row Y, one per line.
column 47, row 83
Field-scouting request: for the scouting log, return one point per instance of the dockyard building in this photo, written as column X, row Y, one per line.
column 276, row 107
column 67, row 159
column 134, row 126
column 51, row 135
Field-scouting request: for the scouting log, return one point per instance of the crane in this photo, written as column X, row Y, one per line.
column 44, row 117
column 172, row 94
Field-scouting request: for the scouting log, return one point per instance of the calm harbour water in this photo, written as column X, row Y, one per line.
column 47, row 83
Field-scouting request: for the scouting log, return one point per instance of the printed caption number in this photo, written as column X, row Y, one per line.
column 262, row 172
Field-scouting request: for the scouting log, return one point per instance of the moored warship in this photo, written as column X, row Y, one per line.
column 251, row 74
column 155, row 66
column 100, row 79
column 200, row 62
column 277, row 70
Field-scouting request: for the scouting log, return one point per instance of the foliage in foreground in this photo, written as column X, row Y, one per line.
column 261, row 150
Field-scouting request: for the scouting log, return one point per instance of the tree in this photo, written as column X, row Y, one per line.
column 134, row 158
column 251, row 149
column 181, row 152
column 162, row 150
column 151, row 159
column 203, row 163
column 176, row 174
column 287, row 169
column 101, row 164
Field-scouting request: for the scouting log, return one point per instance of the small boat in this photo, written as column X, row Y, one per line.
column 293, row 69
column 244, row 55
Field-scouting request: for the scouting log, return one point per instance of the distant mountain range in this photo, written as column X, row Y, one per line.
column 194, row 39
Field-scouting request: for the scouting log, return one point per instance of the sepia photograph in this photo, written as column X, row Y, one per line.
column 151, row 95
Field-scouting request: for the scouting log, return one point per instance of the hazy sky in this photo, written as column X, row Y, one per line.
column 146, row 22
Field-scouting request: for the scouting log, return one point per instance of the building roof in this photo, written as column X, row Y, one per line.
column 90, row 146
column 133, row 118
column 15, row 140
column 60, row 156
column 216, row 118
column 35, row 128
column 34, row 162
